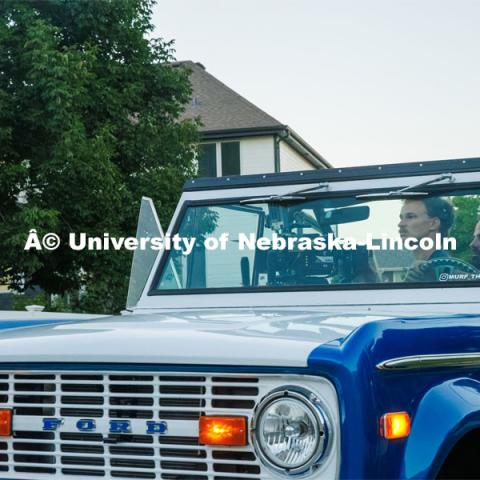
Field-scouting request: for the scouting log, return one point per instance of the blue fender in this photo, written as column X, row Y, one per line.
column 444, row 415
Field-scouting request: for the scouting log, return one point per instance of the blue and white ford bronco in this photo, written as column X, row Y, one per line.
column 264, row 362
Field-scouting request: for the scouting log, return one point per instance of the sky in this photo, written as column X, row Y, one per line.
column 363, row 81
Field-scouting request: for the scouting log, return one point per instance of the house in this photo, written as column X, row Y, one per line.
column 392, row 265
column 237, row 137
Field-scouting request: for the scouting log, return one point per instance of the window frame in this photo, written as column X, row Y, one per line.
column 219, row 158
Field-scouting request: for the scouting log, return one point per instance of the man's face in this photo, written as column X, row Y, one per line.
column 415, row 222
column 475, row 246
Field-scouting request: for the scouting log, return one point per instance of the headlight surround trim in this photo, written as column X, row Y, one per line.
column 314, row 404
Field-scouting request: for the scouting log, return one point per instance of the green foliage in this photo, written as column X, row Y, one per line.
column 52, row 303
column 89, row 122
column 466, row 208
column 19, row 302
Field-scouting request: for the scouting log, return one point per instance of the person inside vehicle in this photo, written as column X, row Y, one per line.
column 420, row 219
column 475, row 246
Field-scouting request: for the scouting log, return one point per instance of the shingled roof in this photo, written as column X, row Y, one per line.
column 225, row 113
column 220, row 107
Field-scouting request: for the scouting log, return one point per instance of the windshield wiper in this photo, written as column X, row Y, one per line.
column 320, row 186
column 273, row 199
column 296, row 196
column 407, row 192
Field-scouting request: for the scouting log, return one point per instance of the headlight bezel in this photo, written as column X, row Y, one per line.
column 316, row 406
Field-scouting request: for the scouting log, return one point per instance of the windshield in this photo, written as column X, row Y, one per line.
column 321, row 243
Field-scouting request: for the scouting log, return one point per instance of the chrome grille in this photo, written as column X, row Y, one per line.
column 176, row 398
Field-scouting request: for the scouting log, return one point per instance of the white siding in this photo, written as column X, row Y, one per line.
column 257, row 155
column 291, row 161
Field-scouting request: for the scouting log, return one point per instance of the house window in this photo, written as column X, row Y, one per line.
column 219, row 159
column 207, row 160
column 231, row 158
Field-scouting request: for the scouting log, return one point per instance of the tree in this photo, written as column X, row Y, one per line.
column 89, row 122
column 466, row 211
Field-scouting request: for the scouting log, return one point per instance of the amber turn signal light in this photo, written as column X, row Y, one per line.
column 223, row 431
column 395, row 425
column 5, row 423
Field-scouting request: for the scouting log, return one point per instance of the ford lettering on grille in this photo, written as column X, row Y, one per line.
column 114, row 426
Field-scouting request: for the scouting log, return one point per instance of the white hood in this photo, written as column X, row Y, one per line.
column 214, row 337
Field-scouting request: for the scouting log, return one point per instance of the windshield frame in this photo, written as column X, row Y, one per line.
column 436, row 189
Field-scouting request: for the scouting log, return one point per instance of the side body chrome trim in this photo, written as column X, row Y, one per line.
column 415, row 362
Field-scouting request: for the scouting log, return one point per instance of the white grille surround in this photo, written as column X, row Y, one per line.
column 138, row 397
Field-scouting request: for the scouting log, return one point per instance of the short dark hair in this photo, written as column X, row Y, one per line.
column 442, row 209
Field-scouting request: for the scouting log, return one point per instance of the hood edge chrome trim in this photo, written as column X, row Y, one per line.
column 415, row 362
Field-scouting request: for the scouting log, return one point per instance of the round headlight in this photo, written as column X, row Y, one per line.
column 290, row 431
